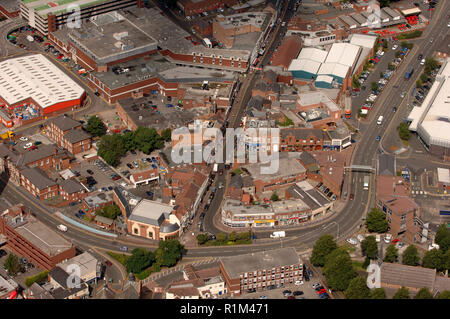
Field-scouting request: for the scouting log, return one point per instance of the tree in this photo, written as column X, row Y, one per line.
column 95, row 126
column 111, row 148
column 402, row 293
column 221, row 237
column 12, row 264
column 376, row 221
column 169, row 252
column 374, row 86
column 431, row 64
column 447, row 260
column 322, row 248
column 140, row 259
column 385, row 44
column 147, row 139
column 128, row 141
column 166, row 134
column 357, row 289
column 378, row 293
column 381, row 75
column 423, row 77
column 444, row 295
column 355, row 83
column 434, row 259
column 232, row 236
column 110, row 211
column 443, row 238
column 419, row 83
column 424, row 293
column 403, row 131
column 369, row 247
column 202, row 238
column 410, row 256
column 338, row 269
column 274, row 197
column 391, row 66
column 391, row 254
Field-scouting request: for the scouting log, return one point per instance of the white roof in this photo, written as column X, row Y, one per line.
column 316, row 97
column 333, row 69
column 324, row 78
column 304, row 65
column 433, row 118
column 363, row 40
column 414, row 10
column 149, row 209
column 86, row 262
column 343, row 53
column 313, row 54
column 443, row 175
column 36, row 77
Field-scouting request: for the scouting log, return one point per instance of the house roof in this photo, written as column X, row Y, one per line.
column 151, row 212
column 407, row 276
column 71, row 186
column 104, row 220
column 287, row 51
column 64, row 122
column 301, row 133
column 37, row 178
column 76, row 135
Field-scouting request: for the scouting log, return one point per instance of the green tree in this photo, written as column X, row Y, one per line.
column 274, row 197
column 423, row 77
column 374, row 86
column 147, row 139
column 221, row 237
column 95, row 126
column 447, row 260
column 376, row 221
column 410, row 256
column 128, row 141
column 36, row 278
column 381, row 75
column 391, row 66
column 166, row 134
column 424, row 293
column 391, row 255
column 434, row 259
column 12, row 264
column 431, row 64
column 232, row 236
column 419, row 83
column 202, row 238
column 322, row 248
column 355, row 83
column 140, row 259
column 444, row 295
column 369, row 247
column 110, row 157
column 169, row 252
column 402, row 293
column 111, row 148
column 442, row 238
column 403, row 131
column 378, row 293
column 357, row 289
column 338, row 269
column 111, row 211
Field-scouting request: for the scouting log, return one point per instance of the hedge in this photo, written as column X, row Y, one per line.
column 36, row 278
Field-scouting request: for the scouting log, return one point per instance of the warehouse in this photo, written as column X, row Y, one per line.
column 33, row 86
column 307, row 63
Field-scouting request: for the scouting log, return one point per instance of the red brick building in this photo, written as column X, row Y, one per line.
column 30, row 238
column 71, row 190
column 190, row 7
column 260, row 270
column 68, row 133
column 38, row 184
column 301, row 139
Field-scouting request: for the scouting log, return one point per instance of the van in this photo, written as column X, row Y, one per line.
column 62, row 227
column 380, row 120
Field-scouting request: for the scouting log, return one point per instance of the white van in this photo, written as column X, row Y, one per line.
column 62, row 227
column 380, row 120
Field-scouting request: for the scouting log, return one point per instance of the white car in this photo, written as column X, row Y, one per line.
column 23, row 139
column 360, row 237
column 28, row 145
column 352, row 241
column 388, row 238
column 403, row 94
column 395, row 47
column 422, row 62
column 298, row 282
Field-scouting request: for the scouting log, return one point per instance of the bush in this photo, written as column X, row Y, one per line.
column 403, row 131
column 36, row 278
column 202, row 238
column 110, row 211
column 122, row 258
column 411, row 35
column 143, row 274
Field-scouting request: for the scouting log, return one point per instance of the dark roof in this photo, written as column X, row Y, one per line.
column 5, row 151
column 301, row 133
column 444, row 46
column 265, row 87
column 270, row 76
column 168, row 228
column 236, row 181
column 71, row 186
column 64, row 122
column 76, row 135
column 122, row 200
column 255, row 102
column 247, row 181
column 311, row 197
column 104, row 220
column 386, row 165
column 60, row 276
column 37, row 177
column 41, row 152
column 407, row 276
column 307, row 158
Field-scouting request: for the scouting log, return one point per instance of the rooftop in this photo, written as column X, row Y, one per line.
column 86, row 262
column 386, row 165
column 36, row 77
column 407, row 276
column 97, row 199
column 64, row 122
column 71, row 186
column 151, row 212
column 308, row 194
column 37, row 178
column 238, row 265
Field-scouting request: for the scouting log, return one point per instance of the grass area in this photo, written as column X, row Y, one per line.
column 237, row 171
column 87, row 218
column 349, row 248
column 287, row 122
column 227, row 243
column 122, row 258
column 411, row 35
column 350, row 127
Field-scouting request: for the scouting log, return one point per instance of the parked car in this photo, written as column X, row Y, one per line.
column 299, row 282
column 124, row 248
column 129, row 165
column 297, row 293
column 287, row 293
column 352, row 241
column 90, row 172
column 3, row 253
column 316, row 285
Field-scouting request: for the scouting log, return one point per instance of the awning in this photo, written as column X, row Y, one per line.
column 346, row 144
column 264, row 221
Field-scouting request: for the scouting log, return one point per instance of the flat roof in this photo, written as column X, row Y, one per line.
column 238, row 265
column 45, row 7
column 407, row 276
column 313, row 54
column 151, row 212
column 44, row 238
column 343, row 53
column 443, row 175
column 36, row 77
column 363, row 40
column 86, row 262
column 304, row 65
column 256, row 19
column 333, row 69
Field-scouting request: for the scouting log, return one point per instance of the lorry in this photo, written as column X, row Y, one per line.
column 408, row 73
column 278, row 234
column 215, row 168
column 30, row 38
column 62, row 227
column 366, row 183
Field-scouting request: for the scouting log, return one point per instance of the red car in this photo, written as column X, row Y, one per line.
column 352, row 196
column 115, row 178
column 395, row 240
column 108, row 263
column 321, row 291
column 291, row 297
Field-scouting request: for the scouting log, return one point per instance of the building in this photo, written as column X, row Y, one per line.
column 7, row 286
column 193, row 7
column 88, row 264
column 443, row 178
column 9, row 8
column 71, row 190
column 301, row 139
column 289, row 171
column 144, row 177
column 48, row 16
column 257, row 271
column 33, row 86
column 60, row 289
column 431, row 119
column 30, row 238
column 96, row 201
column 287, row 51
column 395, row 276
column 35, row 181
column 197, row 284
column 154, row 220
column 443, row 50
column 68, row 134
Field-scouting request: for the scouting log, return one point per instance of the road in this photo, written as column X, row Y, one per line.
column 303, row 238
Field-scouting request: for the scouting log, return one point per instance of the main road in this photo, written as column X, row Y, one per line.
column 343, row 222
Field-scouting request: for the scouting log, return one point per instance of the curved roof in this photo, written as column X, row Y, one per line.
column 169, row 228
